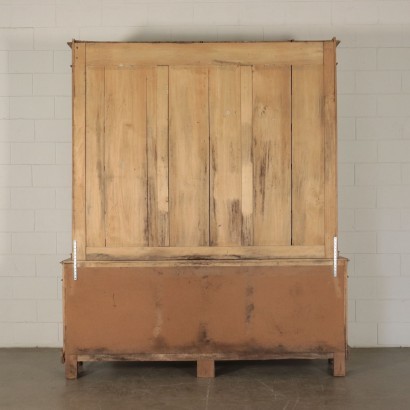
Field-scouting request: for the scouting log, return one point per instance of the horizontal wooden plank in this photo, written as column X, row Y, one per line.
column 203, row 252
column 188, row 357
column 215, row 262
column 126, row 54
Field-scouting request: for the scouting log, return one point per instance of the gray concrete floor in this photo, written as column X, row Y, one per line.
column 377, row 379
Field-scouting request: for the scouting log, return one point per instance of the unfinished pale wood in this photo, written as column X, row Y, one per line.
column 125, row 157
column 147, row 357
column 157, row 156
column 204, row 252
column 95, row 178
column 211, row 262
column 205, row 368
column 247, row 157
column 71, row 366
column 339, row 364
column 225, row 155
column 78, row 223
column 330, row 127
column 125, row 54
column 307, row 156
column 188, row 156
column 264, row 161
column 272, row 155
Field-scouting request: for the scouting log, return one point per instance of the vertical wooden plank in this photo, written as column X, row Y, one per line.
column 125, row 157
column 247, row 156
column 188, row 156
column 79, row 148
column 95, row 181
column 307, row 156
column 71, row 367
column 157, row 155
column 272, row 155
column 225, row 149
column 330, row 126
column 339, row 364
column 205, row 368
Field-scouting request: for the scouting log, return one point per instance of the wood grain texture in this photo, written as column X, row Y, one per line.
column 307, row 156
column 247, row 155
column 78, row 151
column 222, row 176
column 204, row 252
column 95, row 149
column 225, row 155
column 126, row 157
column 125, row 54
column 339, row 364
column 188, row 156
column 205, row 368
column 171, row 357
column 157, row 156
column 191, row 165
column 330, row 132
column 272, row 155
column 71, row 367
column 212, row 262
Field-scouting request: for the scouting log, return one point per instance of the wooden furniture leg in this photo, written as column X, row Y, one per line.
column 205, row 368
column 339, row 364
column 71, row 367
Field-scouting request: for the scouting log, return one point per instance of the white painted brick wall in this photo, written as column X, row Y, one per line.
column 36, row 153
column 16, row 130
column 33, row 198
column 34, row 243
column 362, row 334
column 12, row 220
column 31, row 107
column 393, row 196
column 18, row 311
column 377, row 219
column 17, row 265
column 52, row 84
column 393, row 334
column 379, row 128
column 30, row 62
column 377, row 265
column 4, row 61
column 51, row 175
column 35, row 136
column 16, row 84
column 53, row 130
column 377, row 174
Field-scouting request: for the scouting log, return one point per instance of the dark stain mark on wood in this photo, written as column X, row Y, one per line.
column 160, row 344
column 203, row 335
column 249, row 312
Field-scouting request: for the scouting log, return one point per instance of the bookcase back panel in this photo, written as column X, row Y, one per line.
column 221, row 155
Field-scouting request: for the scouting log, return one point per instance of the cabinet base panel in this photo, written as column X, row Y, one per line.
column 204, row 314
column 205, row 363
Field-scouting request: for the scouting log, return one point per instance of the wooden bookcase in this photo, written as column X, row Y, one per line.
column 204, row 204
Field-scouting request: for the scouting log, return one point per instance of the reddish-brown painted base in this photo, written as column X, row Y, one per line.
column 204, row 313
